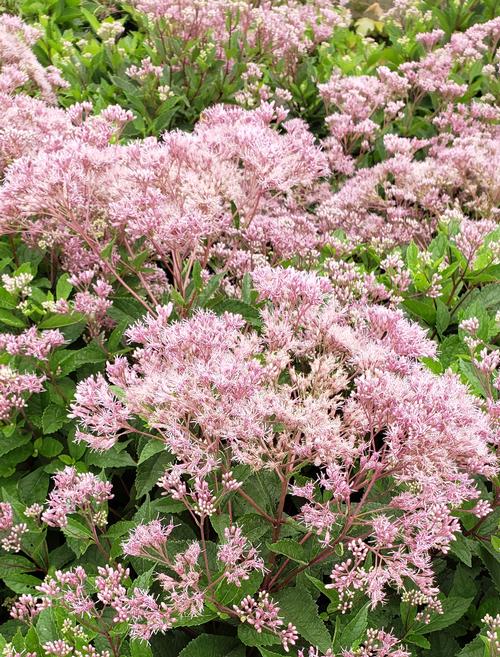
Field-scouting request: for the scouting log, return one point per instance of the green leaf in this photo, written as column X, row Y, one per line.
column 117, row 334
column 491, row 560
column 151, row 448
column 246, row 288
column 59, row 320
column 63, row 288
column 210, row 288
column 229, row 594
column 331, row 594
column 21, row 583
column 34, row 486
column 150, row 471
column 442, row 317
column 464, row 583
column 95, row 25
column 209, row 645
column 298, row 607
column 71, row 360
column 140, row 648
column 454, row 608
column 116, row 457
column 250, row 637
column 46, row 626
column 461, row 548
column 7, row 300
column 78, row 536
column 220, row 523
column 353, row 633
column 487, row 298
column 418, row 640
column 422, row 309
column 76, row 528
column 53, row 418
column 450, row 349
column 50, row 447
column 475, row 648
column 13, row 563
column 31, row 641
column 237, row 307
column 470, row 374
column 9, row 319
column 291, row 549
column 9, row 443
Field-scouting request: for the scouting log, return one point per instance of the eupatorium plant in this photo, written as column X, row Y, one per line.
column 362, row 449
column 275, row 459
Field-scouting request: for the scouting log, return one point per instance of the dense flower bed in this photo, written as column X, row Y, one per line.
column 249, row 329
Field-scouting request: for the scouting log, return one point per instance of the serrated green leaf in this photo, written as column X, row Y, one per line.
column 46, row 626
column 461, row 548
column 453, row 609
column 10, row 319
column 418, row 640
column 21, row 583
column 442, row 317
column 250, row 637
column 289, row 548
column 60, row 320
column 209, row 645
column 33, row 487
column 150, row 471
column 14, row 563
column 298, row 607
column 140, row 648
column 151, row 448
column 116, row 457
column 353, row 633
column 63, row 287
column 54, row 417
column 475, row 648
column 50, row 447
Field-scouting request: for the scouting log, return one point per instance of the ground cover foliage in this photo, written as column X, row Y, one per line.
column 249, row 329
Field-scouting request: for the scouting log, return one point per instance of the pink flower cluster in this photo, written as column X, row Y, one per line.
column 31, row 343
column 281, row 31
column 73, row 591
column 263, row 614
column 14, row 386
column 75, row 492
column 185, row 591
column 10, row 531
column 19, row 63
column 405, row 195
column 324, row 383
column 378, row 644
column 246, row 187
column 232, row 193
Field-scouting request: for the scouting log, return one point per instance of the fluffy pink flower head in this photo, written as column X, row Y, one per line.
column 14, row 387
column 10, row 531
column 74, row 492
column 31, row 343
column 148, row 540
column 240, row 559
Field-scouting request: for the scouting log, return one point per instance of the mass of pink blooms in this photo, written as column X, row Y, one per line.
column 16, row 385
column 330, row 381
column 215, row 395
column 250, row 186
column 285, row 30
